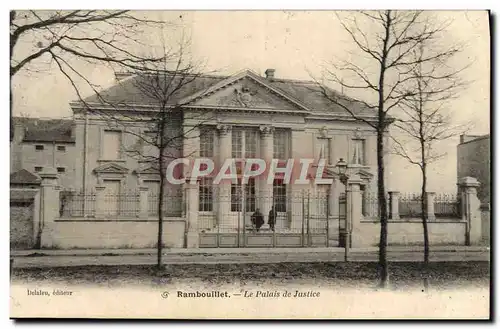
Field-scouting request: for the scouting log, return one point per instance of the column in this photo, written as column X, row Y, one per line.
column 471, row 209
column 430, row 196
column 353, row 210
column 192, row 238
column 394, row 205
column 49, row 201
column 143, row 202
column 266, row 153
column 223, row 195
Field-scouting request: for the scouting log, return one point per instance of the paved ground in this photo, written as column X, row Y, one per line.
column 63, row 258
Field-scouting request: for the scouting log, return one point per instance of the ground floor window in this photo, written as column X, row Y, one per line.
column 205, row 194
column 237, row 195
column 279, row 195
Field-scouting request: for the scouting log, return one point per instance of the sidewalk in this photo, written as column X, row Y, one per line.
column 179, row 251
column 128, row 257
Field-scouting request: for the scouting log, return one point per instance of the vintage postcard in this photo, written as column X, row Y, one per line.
column 250, row 164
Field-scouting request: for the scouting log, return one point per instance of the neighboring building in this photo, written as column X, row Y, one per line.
column 473, row 159
column 40, row 143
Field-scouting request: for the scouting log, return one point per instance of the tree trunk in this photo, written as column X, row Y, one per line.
column 160, row 212
column 424, row 223
column 383, row 266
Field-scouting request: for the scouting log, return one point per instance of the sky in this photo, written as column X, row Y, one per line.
column 297, row 44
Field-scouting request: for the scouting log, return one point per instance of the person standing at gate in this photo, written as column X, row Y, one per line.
column 257, row 219
column 272, row 218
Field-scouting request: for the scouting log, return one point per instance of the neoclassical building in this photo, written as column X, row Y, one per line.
column 241, row 116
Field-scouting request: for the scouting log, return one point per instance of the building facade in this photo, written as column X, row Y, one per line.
column 473, row 159
column 40, row 144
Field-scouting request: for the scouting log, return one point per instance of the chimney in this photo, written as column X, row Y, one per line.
column 270, row 74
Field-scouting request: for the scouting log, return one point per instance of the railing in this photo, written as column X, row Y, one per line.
column 369, row 205
column 124, row 204
column 447, row 205
column 410, row 205
column 172, row 204
column 77, row 203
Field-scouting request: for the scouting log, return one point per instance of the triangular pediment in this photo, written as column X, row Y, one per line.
column 111, row 168
column 246, row 90
column 148, row 170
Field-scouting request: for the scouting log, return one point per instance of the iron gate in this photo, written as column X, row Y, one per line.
column 230, row 219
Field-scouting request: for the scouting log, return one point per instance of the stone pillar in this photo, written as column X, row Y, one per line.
column 192, row 204
column 353, row 210
column 471, row 209
column 430, row 196
column 49, row 202
column 335, row 190
column 143, row 202
column 394, row 205
column 223, row 194
column 266, row 153
column 100, row 201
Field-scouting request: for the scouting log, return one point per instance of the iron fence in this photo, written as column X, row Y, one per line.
column 447, row 205
column 123, row 204
column 410, row 205
column 77, row 203
column 370, row 205
column 172, row 204
column 291, row 213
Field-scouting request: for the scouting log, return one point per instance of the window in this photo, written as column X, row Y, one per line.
column 279, row 195
column 38, row 169
column 206, row 194
column 61, row 148
column 324, row 149
column 237, row 195
column 206, row 142
column 112, row 144
column 358, row 152
column 244, row 143
column 281, row 146
column 61, row 169
column 39, row 147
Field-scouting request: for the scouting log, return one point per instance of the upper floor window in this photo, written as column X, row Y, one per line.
column 358, row 151
column 39, row 147
column 324, row 149
column 112, row 144
column 38, row 169
column 207, row 135
column 61, row 148
column 281, row 144
column 244, row 143
column 61, row 169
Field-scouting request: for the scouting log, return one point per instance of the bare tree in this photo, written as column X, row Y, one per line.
column 379, row 72
column 163, row 89
column 425, row 121
column 93, row 36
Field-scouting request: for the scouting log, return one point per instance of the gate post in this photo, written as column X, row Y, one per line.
column 192, row 235
column 353, row 212
column 49, row 201
column 471, row 209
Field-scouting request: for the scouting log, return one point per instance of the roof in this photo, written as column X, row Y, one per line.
column 46, row 130
column 23, row 176
column 307, row 93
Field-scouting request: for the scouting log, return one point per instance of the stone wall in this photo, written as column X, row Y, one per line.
column 112, row 234
column 411, row 233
